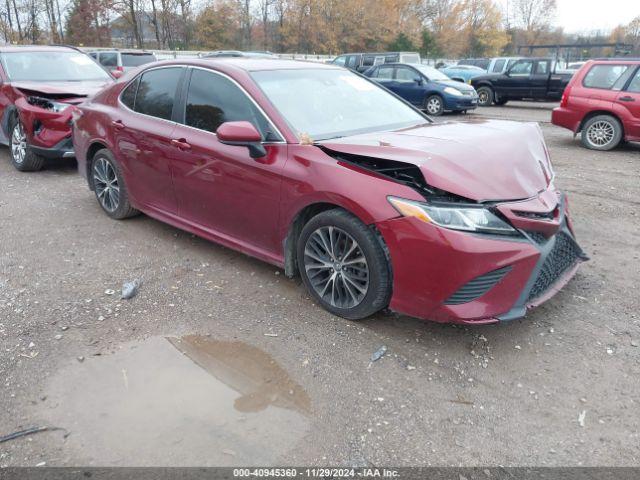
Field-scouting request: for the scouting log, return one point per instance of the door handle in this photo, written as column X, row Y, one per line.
column 627, row 99
column 117, row 124
column 181, row 144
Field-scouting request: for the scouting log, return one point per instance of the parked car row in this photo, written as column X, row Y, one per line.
column 320, row 171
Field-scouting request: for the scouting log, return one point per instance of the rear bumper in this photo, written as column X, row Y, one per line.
column 566, row 118
column 457, row 277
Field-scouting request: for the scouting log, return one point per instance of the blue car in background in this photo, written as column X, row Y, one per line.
column 462, row 73
column 425, row 87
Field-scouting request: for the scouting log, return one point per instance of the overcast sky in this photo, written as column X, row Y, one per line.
column 588, row 15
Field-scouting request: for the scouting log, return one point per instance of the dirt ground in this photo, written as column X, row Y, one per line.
column 221, row 360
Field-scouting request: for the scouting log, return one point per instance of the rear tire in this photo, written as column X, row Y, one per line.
column 434, row 105
column 602, row 132
column 109, row 186
column 501, row 101
column 22, row 157
column 344, row 265
column 485, row 96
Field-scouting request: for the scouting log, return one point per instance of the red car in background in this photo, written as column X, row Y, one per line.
column 39, row 84
column 322, row 172
column 602, row 102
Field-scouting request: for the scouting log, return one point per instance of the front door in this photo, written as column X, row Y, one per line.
column 539, row 79
column 408, row 84
column 220, row 188
column 142, row 134
column 515, row 82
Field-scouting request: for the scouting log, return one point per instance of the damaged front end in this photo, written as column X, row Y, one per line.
column 468, row 256
column 47, row 122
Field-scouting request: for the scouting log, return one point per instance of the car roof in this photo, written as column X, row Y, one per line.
column 249, row 64
column 35, row 48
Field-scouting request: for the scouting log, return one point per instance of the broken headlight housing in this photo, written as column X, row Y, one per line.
column 48, row 104
column 455, row 217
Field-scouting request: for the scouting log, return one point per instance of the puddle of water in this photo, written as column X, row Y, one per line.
column 188, row 401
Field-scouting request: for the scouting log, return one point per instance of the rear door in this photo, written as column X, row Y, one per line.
column 142, row 130
column 384, row 76
column 629, row 100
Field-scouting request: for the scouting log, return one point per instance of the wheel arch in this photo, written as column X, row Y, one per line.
column 299, row 221
column 94, row 147
column 595, row 113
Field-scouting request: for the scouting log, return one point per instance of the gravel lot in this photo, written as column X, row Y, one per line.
column 221, row 360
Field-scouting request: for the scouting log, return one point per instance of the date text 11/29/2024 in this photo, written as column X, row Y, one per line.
column 316, row 473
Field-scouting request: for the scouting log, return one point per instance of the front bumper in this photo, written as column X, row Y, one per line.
column 461, row 103
column 451, row 276
column 63, row 149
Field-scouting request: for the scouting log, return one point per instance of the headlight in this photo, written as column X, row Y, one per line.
column 470, row 219
column 48, row 104
column 453, row 91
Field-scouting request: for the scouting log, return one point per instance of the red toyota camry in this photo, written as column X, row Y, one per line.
column 318, row 170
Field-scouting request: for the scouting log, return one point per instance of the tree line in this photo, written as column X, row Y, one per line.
column 435, row 28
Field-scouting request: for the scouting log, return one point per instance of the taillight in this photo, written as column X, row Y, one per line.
column 564, row 101
column 120, row 69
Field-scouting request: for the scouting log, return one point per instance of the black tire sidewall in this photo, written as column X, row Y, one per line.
column 379, row 290
column 32, row 162
column 124, row 209
column 440, row 99
column 618, row 133
column 490, row 94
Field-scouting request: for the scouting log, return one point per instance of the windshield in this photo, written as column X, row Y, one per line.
column 136, row 59
column 431, row 73
column 334, row 103
column 51, row 67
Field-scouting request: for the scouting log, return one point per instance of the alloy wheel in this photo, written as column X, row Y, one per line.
column 336, row 267
column 434, row 105
column 601, row 133
column 105, row 182
column 18, row 143
column 483, row 97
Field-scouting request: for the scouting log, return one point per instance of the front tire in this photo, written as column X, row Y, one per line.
column 22, row 157
column 109, row 186
column 485, row 96
column 602, row 132
column 434, row 105
column 343, row 265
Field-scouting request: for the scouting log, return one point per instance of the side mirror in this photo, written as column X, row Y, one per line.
column 418, row 81
column 242, row 134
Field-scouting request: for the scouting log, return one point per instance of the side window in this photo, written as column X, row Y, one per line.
column 378, row 60
column 384, row 73
column 213, row 99
column 406, row 75
column 498, row 66
column 352, row 60
column 157, row 92
column 109, row 59
column 128, row 96
column 542, row 68
column 609, row 77
column 93, row 55
column 367, row 60
column 340, row 61
column 522, row 68
column 634, row 86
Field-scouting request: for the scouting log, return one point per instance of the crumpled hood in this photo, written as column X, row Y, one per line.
column 483, row 160
column 62, row 89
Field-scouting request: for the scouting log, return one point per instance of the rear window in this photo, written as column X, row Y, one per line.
column 609, row 77
column 136, row 59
